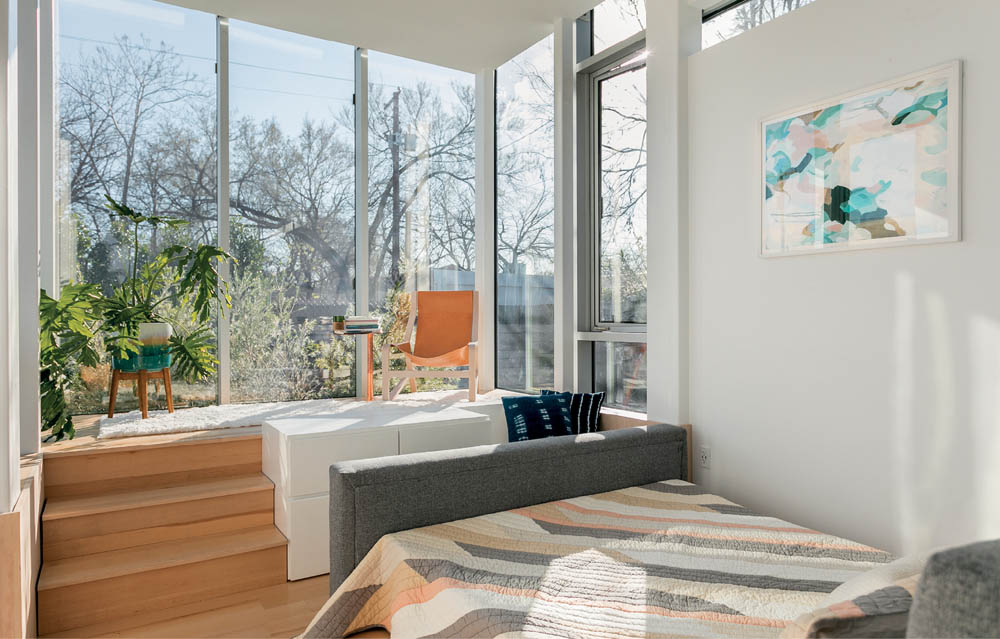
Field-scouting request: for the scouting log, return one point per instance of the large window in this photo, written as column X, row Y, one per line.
column 421, row 187
column 291, row 213
column 524, row 220
column 136, row 120
column 734, row 20
column 138, row 99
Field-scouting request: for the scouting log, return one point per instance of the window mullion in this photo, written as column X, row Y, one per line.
column 361, row 246
column 222, row 203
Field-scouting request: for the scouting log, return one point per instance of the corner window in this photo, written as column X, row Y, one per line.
column 135, row 119
column 525, row 217
column 612, row 86
column 421, row 189
column 291, row 213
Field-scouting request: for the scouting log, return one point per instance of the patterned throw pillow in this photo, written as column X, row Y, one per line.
column 584, row 409
column 880, row 613
column 537, row 416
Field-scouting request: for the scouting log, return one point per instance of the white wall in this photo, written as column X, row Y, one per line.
column 673, row 33
column 858, row 393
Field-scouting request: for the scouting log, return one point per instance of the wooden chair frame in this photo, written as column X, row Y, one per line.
column 412, row 373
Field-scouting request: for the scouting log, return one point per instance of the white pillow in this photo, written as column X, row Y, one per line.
column 878, row 578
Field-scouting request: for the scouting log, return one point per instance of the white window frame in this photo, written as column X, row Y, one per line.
column 590, row 70
column 604, row 68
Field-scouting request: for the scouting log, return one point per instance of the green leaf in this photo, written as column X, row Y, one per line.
column 193, row 354
column 67, row 330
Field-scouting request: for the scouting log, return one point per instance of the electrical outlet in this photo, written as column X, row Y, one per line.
column 704, row 456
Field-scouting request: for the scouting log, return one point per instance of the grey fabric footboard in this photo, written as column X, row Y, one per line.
column 373, row 497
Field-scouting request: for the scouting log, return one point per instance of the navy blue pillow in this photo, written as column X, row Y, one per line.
column 536, row 416
column 584, row 409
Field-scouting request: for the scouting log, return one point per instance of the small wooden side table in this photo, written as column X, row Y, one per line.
column 142, row 378
column 370, row 395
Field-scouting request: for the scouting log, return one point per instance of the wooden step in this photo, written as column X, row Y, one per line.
column 82, row 591
column 76, row 526
column 141, row 466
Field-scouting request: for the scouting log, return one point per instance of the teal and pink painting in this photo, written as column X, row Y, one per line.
column 874, row 168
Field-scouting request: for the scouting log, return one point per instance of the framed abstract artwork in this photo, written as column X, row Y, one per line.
column 873, row 168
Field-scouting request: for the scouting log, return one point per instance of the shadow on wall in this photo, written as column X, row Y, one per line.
column 946, row 419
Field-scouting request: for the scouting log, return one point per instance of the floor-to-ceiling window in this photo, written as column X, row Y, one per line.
column 525, row 209
column 136, row 101
column 421, row 187
column 138, row 98
column 291, row 213
column 616, row 174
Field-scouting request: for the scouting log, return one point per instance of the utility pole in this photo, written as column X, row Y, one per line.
column 394, row 141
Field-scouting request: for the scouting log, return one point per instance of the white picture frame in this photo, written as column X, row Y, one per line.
column 949, row 75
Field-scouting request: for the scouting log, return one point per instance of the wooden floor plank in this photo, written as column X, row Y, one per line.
column 282, row 610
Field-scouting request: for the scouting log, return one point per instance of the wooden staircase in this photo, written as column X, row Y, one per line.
column 146, row 531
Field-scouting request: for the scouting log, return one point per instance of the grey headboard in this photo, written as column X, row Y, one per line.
column 373, row 497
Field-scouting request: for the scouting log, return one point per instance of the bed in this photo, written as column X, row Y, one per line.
column 587, row 536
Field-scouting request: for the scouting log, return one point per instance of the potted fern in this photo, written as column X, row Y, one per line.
column 132, row 321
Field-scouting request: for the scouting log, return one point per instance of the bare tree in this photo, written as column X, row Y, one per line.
column 524, row 166
column 438, row 174
column 120, row 91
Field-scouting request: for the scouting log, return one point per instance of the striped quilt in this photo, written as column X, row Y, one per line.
column 662, row 560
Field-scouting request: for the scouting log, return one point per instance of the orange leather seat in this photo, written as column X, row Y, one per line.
column 446, row 331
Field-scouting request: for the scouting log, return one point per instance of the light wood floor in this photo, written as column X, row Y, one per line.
column 275, row 611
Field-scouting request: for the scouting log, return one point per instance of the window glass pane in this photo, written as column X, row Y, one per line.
column 291, row 213
column 616, row 20
column 136, row 98
column 421, row 187
column 525, row 216
column 620, row 371
column 745, row 17
column 622, row 212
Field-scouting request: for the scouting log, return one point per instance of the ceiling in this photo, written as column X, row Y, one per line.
column 471, row 35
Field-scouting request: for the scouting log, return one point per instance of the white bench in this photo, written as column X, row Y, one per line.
column 298, row 452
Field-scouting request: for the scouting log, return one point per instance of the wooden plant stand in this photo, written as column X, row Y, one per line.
column 142, row 377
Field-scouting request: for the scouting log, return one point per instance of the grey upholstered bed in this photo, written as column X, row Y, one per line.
column 597, row 536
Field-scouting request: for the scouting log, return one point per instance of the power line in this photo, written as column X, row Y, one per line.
column 303, row 95
column 231, row 62
column 208, row 59
column 135, row 46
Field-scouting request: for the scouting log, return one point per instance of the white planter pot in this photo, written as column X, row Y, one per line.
column 155, row 333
